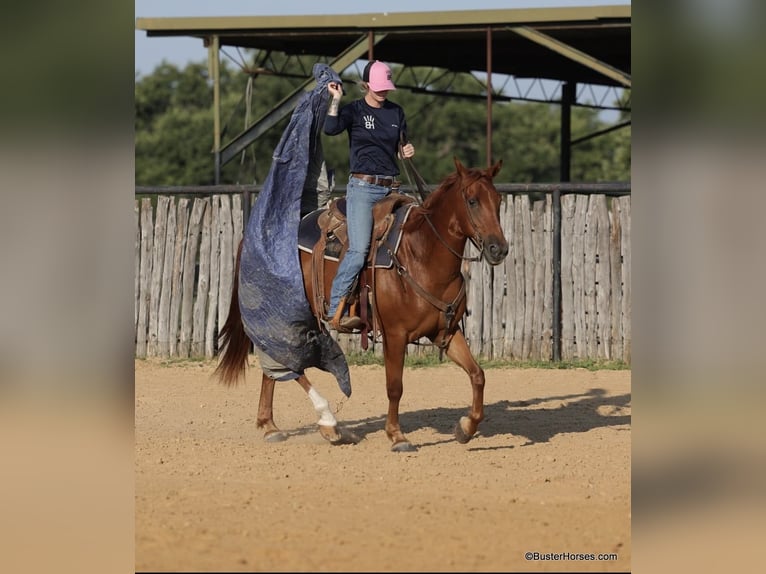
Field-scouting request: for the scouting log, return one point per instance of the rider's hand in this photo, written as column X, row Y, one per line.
column 335, row 90
column 408, row 150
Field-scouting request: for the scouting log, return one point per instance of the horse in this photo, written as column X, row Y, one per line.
column 421, row 295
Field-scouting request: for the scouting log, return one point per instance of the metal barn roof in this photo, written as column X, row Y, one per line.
column 582, row 44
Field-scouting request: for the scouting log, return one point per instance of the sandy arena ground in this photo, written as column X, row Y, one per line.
column 548, row 472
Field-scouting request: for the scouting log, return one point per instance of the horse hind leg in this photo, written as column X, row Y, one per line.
column 328, row 425
column 265, row 418
column 459, row 352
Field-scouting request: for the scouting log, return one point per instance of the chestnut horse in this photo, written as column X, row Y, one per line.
column 421, row 295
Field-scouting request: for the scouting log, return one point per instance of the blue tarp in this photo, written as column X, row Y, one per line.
column 276, row 315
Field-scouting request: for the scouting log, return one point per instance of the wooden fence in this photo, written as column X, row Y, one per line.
column 185, row 254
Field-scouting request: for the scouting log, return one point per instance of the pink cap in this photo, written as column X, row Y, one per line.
column 378, row 77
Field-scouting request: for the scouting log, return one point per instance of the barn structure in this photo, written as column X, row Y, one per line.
column 567, row 56
column 585, row 47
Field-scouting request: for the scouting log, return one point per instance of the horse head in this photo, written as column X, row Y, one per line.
column 481, row 222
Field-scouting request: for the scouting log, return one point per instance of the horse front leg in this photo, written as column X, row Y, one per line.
column 393, row 351
column 328, row 425
column 265, row 418
column 459, row 352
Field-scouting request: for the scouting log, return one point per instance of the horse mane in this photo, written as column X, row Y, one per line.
column 450, row 182
column 444, row 186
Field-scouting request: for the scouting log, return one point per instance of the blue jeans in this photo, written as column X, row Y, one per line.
column 360, row 198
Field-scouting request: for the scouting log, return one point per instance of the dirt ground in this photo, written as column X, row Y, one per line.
column 548, row 472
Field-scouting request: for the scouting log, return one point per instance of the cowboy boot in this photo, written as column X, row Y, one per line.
column 345, row 323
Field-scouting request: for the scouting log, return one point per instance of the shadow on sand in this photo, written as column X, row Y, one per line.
column 577, row 413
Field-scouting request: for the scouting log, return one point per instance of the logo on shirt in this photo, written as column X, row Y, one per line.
column 369, row 122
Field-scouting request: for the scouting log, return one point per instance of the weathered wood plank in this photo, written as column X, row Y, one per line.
column 546, row 344
column 474, row 294
column 163, row 341
column 529, row 276
column 487, row 280
column 603, row 278
column 497, row 293
column 203, row 286
column 137, row 263
column 589, row 281
column 626, row 267
column 176, row 295
column 615, row 270
column 518, row 252
column 158, row 261
column 211, row 331
column 190, row 270
column 538, row 277
column 510, row 279
column 568, row 203
column 237, row 224
column 228, row 256
column 578, row 275
column 147, row 232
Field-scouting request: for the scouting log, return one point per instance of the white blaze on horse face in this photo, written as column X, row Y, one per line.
column 326, row 418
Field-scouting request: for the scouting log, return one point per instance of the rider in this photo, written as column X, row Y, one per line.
column 374, row 125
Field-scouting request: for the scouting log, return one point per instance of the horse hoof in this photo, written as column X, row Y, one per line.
column 404, row 446
column 460, row 434
column 341, row 437
column 275, row 436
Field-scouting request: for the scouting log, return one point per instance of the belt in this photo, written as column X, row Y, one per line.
column 377, row 180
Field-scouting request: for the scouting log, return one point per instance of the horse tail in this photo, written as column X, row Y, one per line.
column 234, row 344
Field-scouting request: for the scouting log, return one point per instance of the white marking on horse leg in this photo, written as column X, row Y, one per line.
column 326, row 418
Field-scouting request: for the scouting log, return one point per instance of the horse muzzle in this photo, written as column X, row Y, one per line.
column 495, row 250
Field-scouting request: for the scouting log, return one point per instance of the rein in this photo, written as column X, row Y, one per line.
column 424, row 192
column 409, row 169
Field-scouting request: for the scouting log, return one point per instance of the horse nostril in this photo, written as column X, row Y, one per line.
column 498, row 251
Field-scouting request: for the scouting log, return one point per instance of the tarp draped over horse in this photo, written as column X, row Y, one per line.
column 272, row 299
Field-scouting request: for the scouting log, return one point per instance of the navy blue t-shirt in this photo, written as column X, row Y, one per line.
column 373, row 135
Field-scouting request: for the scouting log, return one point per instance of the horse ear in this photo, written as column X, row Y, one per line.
column 494, row 169
column 459, row 166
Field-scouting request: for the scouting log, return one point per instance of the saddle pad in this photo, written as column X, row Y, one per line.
column 391, row 245
column 309, row 232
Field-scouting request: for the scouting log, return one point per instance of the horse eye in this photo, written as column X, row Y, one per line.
column 473, row 202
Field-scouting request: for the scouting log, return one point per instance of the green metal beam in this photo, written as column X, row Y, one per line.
column 572, row 53
column 355, row 51
column 207, row 25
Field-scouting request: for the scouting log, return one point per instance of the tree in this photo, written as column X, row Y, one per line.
column 174, row 129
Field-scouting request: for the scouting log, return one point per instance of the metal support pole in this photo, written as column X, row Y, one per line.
column 370, row 45
column 215, row 71
column 489, row 96
column 567, row 99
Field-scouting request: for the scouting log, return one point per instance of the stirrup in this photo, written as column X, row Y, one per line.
column 350, row 323
column 346, row 324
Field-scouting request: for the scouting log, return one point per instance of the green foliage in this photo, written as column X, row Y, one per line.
column 431, row 359
column 174, row 129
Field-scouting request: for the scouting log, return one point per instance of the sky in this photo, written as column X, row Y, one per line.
column 150, row 52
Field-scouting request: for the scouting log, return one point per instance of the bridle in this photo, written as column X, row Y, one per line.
column 476, row 238
column 412, row 174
